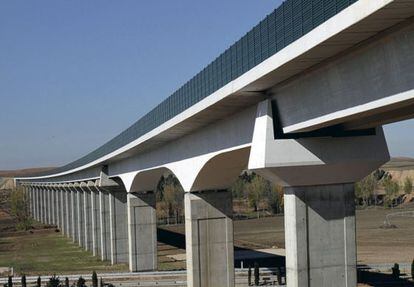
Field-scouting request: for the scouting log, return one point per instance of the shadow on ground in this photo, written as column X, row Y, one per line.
column 251, row 256
column 365, row 276
column 377, row 279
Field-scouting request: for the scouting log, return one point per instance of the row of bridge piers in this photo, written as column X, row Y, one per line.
column 122, row 227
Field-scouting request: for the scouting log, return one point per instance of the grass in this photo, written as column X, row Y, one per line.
column 48, row 252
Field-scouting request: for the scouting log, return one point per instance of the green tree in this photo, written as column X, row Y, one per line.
column 392, row 189
column 274, row 198
column 256, row 191
column 408, row 185
column 20, row 209
column 173, row 197
column 364, row 189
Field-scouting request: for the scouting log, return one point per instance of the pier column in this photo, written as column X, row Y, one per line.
column 49, row 204
column 118, row 227
column 68, row 211
column 209, row 239
column 62, row 192
column 104, row 224
column 87, row 214
column 80, row 218
column 95, row 220
column 42, row 204
column 53, row 203
column 320, row 226
column 142, row 232
column 36, row 197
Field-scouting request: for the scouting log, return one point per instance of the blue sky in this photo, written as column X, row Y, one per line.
column 73, row 74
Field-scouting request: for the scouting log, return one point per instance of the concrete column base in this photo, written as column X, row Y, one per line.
column 209, row 239
column 142, row 232
column 320, row 236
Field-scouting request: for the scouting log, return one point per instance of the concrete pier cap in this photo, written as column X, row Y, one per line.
column 313, row 161
column 318, row 175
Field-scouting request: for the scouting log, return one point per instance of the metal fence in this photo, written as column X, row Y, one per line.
column 290, row 21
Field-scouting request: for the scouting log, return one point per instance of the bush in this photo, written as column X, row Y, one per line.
column 53, row 282
column 81, row 282
column 396, row 270
column 256, row 274
column 249, row 276
column 94, row 279
column 412, row 269
column 20, row 209
column 66, row 282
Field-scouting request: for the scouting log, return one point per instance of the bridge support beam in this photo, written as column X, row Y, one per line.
column 142, row 232
column 104, row 224
column 209, row 239
column 80, row 218
column 320, row 235
column 118, row 227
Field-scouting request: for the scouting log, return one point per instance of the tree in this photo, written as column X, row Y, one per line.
column 408, row 185
column 392, row 189
column 274, row 198
column 173, row 197
column 24, row 281
column 364, row 189
column 38, row 282
column 256, row 190
column 20, row 209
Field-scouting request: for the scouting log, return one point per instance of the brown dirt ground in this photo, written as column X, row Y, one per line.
column 374, row 244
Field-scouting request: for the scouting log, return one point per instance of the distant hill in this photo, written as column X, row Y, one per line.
column 399, row 163
column 23, row 172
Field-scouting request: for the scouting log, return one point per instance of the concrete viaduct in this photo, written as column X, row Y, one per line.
column 300, row 99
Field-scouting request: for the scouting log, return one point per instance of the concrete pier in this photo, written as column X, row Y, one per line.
column 80, row 217
column 87, row 215
column 320, row 226
column 68, row 209
column 209, row 239
column 95, row 219
column 118, row 227
column 62, row 205
column 74, row 214
column 104, row 223
column 142, row 231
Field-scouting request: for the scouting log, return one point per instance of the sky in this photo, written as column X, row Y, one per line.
column 74, row 74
